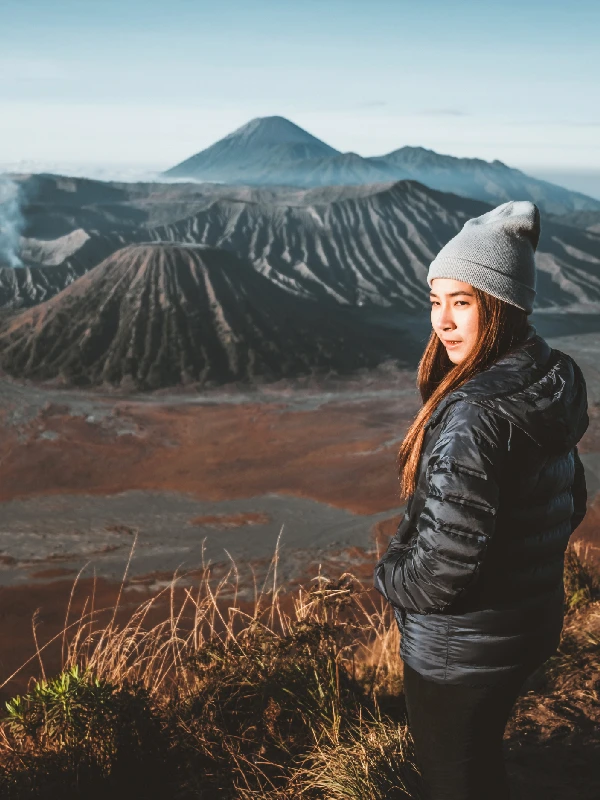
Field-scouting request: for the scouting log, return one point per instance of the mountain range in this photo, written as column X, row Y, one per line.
column 148, row 285
column 353, row 245
column 275, row 151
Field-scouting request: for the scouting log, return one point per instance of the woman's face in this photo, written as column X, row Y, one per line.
column 454, row 316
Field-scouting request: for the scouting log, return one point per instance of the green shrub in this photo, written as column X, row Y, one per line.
column 79, row 736
column 65, row 711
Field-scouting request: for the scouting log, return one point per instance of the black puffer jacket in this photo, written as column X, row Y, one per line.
column 475, row 570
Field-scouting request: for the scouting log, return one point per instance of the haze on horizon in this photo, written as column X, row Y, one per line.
column 130, row 83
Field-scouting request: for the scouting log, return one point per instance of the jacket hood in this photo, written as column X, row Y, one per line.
column 538, row 389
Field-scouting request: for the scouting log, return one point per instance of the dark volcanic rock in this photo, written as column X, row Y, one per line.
column 155, row 315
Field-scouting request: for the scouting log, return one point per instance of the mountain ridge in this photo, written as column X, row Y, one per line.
column 353, row 245
column 250, row 154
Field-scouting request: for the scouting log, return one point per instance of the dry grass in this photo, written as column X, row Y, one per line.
column 228, row 702
column 298, row 697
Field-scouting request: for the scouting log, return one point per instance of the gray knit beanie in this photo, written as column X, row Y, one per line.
column 494, row 253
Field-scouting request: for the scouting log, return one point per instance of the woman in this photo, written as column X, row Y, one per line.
column 495, row 487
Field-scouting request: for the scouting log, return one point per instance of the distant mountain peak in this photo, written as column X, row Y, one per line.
column 408, row 148
column 272, row 131
column 412, row 154
column 263, row 146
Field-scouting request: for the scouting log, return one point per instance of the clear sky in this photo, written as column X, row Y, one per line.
column 144, row 82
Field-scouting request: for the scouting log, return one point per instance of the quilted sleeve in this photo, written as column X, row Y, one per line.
column 395, row 547
column 458, row 517
column 579, row 493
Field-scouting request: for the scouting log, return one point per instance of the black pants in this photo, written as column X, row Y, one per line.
column 458, row 732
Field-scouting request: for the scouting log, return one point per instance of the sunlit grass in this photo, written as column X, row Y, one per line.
column 287, row 696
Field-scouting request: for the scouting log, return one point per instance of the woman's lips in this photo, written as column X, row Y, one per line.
column 450, row 344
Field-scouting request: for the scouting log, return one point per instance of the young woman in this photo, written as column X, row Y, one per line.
column 495, row 488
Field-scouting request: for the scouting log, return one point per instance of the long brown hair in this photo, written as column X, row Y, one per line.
column 502, row 327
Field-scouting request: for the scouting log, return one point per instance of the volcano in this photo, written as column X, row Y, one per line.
column 262, row 151
column 158, row 314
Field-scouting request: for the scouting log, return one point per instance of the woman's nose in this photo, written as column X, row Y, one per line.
column 445, row 320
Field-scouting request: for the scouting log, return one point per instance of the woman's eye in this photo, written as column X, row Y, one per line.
column 456, row 303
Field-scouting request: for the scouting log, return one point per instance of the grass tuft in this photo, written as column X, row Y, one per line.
column 582, row 586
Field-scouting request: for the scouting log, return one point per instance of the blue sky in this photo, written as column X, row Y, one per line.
column 134, row 82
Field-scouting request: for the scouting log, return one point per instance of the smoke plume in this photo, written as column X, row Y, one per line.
column 11, row 222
